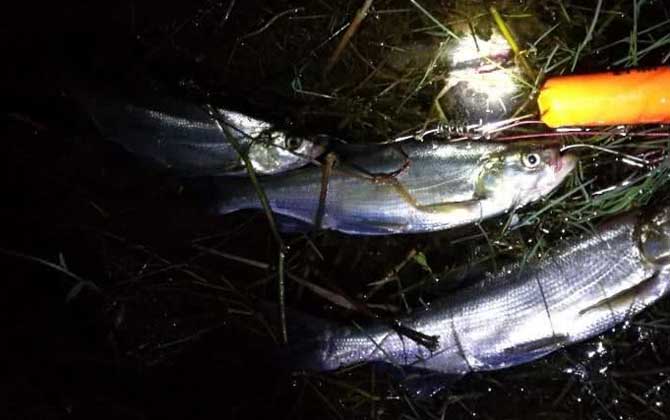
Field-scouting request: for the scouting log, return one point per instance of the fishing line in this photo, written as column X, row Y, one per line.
column 623, row 184
column 505, row 124
column 513, row 125
column 625, row 157
column 582, row 133
column 466, row 131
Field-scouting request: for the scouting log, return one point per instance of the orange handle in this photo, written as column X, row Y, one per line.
column 627, row 97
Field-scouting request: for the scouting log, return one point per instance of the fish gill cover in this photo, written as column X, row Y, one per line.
column 126, row 301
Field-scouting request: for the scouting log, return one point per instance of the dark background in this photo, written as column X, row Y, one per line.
column 66, row 192
column 154, row 340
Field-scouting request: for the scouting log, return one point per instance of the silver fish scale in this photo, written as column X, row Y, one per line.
column 436, row 172
column 607, row 264
column 189, row 137
column 183, row 136
column 419, row 187
column 521, row 314
column 355, row 203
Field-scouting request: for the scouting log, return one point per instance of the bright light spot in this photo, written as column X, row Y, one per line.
column 482, row 65
column 471, row 48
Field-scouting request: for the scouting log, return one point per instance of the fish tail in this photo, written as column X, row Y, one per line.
column 104, row 109
column 307, row 339
column 225, row 195
column 176, row 135
column 118, row 123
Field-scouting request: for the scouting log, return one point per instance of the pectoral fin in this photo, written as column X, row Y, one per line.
column 546, row 344
column 624, row 299
column 525, row 352
column 467, row 206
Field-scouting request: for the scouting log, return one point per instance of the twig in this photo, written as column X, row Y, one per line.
column 226, row 15
column 265, row 204
column 346, row 38
column 326, row 171
column 80, row 281
column 270, row 23
column 268, row 212
column 330, row 296
column 281, row 292
column 222, row 254
column 240, row 40
column 431, row 342
column 395, row 270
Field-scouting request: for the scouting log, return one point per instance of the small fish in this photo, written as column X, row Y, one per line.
column 584, row 288
column 185, row 138
column 482, row 77
column 409, row 188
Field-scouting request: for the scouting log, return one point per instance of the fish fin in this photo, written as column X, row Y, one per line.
column 526, row 352
column 224, row 195
column 288, row 224
column 469, row 206
column 372, row 227
column 553, row 342
column 624, row 298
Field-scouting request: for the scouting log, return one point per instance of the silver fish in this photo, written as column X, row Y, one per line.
column 184, row 137
column 417, row 187
column 583, row 289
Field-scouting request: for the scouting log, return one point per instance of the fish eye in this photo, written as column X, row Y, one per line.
column 292, row 143
column 531, row 160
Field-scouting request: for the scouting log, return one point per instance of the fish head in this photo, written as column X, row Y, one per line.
column 621, row 292
column 275, row 151
column 519, row 174
column 654, row 237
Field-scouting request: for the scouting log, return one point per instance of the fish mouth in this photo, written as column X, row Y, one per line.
column 654, row 238
column 560, row 167
column 564, row 164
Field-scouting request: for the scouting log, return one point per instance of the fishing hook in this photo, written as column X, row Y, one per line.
column 626, row 158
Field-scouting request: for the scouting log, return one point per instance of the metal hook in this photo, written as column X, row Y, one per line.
column 626, row 158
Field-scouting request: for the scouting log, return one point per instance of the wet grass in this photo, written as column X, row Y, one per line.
column 171, row 291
